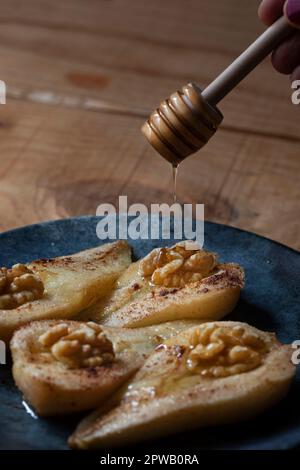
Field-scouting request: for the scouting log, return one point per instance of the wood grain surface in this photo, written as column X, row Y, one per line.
column 82, row 76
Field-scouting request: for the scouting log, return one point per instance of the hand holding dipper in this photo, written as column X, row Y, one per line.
column 186, row 120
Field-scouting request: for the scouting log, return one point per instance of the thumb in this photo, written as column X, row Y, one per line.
column 292, row 12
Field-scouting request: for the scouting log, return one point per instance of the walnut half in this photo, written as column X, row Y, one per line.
column 217, row 351
column 18, row 286
column 85, row 346
column 177, row 266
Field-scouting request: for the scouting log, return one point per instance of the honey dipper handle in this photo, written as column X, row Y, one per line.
column 247, row 61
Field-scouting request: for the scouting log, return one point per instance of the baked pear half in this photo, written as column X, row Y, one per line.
column 67, row 366
column 215, row 373
column 59, row 287
column 171, row 284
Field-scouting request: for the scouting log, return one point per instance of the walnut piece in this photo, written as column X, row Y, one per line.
column 217, row 351
column 85, row 346
column 177, row 266
column 18, row 286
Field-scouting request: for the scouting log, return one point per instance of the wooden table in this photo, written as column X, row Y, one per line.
column 81, row 77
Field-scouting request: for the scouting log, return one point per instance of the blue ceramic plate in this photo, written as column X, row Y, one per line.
column 270, row 301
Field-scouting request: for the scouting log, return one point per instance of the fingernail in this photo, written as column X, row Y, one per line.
column 292, row 11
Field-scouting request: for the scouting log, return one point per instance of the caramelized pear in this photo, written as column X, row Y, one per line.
column 70, row 284
column 215, row 373
column 137, row 302
column 67, row 366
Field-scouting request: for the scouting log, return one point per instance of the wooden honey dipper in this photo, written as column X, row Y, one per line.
column 186, row 120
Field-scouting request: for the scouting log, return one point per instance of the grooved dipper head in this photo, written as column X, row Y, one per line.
column 182, row 124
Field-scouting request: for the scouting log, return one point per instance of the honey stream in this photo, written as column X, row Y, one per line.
column 174, row 176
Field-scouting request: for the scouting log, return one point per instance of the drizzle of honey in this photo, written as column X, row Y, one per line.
column 29, row 410
column 174, row 176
